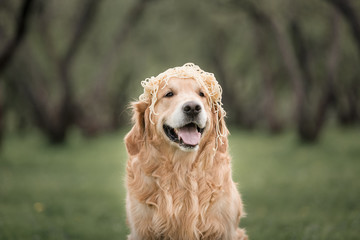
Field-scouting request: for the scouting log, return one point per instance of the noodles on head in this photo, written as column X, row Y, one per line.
column 189, row 70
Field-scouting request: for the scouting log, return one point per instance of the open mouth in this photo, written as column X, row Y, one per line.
column 187, row 136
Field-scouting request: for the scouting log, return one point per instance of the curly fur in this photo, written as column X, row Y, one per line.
column 173, row 194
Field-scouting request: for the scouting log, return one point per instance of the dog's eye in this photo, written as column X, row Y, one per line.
column 169, row 94
column 202, row 94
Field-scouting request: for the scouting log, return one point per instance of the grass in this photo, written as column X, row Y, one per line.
column 76, row 191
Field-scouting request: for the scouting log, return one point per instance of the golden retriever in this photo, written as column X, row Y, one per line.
column 178, row 179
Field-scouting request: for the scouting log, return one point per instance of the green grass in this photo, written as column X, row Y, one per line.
column 76, row 191
column 67, row 192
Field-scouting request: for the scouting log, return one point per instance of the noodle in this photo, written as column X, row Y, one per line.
column 189, row 70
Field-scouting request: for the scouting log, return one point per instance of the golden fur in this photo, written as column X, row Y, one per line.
column 176, row 194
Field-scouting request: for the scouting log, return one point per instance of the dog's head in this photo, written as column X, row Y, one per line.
column 180, row 108
column 182, row 113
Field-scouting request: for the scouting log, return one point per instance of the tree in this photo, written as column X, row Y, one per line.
column 348, row 108
column 310, row 118
column 346, row 8
column 2, row 118
column 98, row 94
column 20, row 33
column 55, row 120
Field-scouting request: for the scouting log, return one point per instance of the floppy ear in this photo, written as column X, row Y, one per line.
column 135, row 139
column 222, row 142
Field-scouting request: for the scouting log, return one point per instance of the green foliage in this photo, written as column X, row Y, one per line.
column 76, row 191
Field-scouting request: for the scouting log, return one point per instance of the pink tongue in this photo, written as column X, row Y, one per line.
column 189, row 135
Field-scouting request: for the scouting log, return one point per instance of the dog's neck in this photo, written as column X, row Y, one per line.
column 174, row 154
column 184, row 161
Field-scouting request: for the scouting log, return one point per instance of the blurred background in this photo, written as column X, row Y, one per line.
column 290, row 73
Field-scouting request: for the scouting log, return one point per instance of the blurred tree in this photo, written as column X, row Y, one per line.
column 346, row 8
column 267, row 75
column 218, row 43
column 98, row 95
column 216, row 47
column 9, row 50
column 349, row 107
column 263, row 22
column 2, row 113
column 20, row 32
column 83, row 60
column 310, row 113
column 55, row 120
column 313, row 115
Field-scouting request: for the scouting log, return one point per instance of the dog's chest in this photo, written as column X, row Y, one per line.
column 177, row 200
column 187, row 197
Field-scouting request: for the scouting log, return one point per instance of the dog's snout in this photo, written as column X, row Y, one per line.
column 191, row 108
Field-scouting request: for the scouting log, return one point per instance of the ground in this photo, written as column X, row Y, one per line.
column 290, row 190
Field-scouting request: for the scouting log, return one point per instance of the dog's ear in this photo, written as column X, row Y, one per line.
column 222, row 142
column 135, row 139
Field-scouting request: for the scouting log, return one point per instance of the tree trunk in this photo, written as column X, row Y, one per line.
column 98, row 94
column 273, row 122
column 349, row 114
column 348, row 110
column 2, row 117
column 131, row 20
column 286, row 51
column 310, row 130
column 309, row 123
column 231, row 95
column 54, row 121
column 349, row 12
column 20, row 32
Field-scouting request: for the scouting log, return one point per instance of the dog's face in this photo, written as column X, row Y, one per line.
column 182, row 113
column 181, row 116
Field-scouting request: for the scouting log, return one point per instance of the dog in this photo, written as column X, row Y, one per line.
column 178, row 175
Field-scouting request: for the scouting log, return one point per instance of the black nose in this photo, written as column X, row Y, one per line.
column 191, row 108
